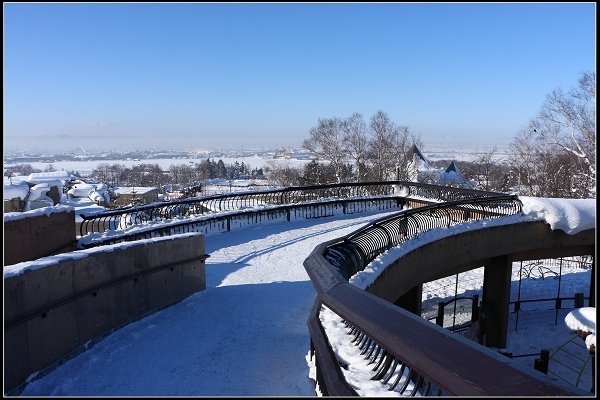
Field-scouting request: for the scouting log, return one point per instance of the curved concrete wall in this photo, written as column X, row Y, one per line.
column 476, row 248
column 30, row 237
column 54, row 305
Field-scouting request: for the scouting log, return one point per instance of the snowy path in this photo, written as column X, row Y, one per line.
column 245, row 335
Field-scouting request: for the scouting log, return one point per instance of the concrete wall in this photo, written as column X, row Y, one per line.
column 50, row 312
column 30, row 238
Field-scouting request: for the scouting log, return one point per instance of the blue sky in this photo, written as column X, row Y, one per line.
column 224, row 75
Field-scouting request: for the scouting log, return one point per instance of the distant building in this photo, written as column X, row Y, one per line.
column 136, row 195
column 421, row 171
column 40, row 189
column 96, row 192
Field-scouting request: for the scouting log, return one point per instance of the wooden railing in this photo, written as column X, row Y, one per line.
column 423, row 358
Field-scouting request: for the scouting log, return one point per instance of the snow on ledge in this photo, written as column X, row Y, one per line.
column 23, row 267
column 369, row 274
column 568, row 215
column 12, row 216
column 584, row 320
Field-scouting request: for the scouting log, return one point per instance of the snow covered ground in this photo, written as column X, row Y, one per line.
column 245, row 335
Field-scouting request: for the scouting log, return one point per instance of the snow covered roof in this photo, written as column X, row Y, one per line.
column 42, row 177
column 16, row 190
column 134, row 190
column 415, row 150
column 451, row 168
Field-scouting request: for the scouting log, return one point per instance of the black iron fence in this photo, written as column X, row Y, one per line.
column 126, row 217
column 358, row 249
column 227, row 221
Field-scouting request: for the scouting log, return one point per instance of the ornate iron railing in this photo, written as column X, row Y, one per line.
column 361, row 247
column 123, row 218
column 226, row 221
column 411, row 355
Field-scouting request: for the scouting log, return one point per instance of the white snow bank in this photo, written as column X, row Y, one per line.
column 39, row 191
column 81, row 190
column 40, row 177
column 568, row 215
column 583, row 319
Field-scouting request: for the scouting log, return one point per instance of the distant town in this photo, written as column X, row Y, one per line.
column 18, row 157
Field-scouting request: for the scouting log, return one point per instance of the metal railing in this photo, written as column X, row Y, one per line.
column 226, row 221
column 432, row 361
column 359, row 248
column 123, row 218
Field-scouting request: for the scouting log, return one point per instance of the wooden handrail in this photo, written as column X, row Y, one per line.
column 454, row 365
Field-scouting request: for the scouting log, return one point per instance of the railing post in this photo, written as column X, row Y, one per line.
column 578, row 300
column 439, row 319
column 541, row 364
column 475, row 308
column 517, row 306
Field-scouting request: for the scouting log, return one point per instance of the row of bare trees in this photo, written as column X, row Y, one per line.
column 148, row 174
column 379, row 150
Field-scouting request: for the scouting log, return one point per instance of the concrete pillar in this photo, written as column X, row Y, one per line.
column 411, row 300
column 496, row 296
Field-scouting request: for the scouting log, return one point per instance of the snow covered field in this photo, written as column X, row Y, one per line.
column 432, row 152
column 85, row 167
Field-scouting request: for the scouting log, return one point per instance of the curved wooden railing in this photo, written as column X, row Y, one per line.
column 123, row 218
column 423, row 358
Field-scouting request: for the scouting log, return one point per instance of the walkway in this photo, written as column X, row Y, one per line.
column 245, row 335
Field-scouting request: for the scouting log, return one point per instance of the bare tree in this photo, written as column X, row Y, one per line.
column 381, row 144
column 101, row 172
column 281, row 173
column 356, row 142
column 484, row 168
column 402, row 150
column 326, row 141
column 524, row 163
column 568, row 121
column 21, row 169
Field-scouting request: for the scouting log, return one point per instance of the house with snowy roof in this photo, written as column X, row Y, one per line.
column 44, row 189
column 420, row 170
column 136, row 195
column 39, row 189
